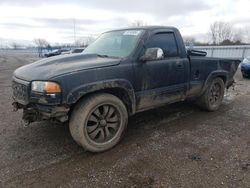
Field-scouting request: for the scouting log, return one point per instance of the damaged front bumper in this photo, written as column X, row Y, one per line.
column 37, row 112
column 37, row 106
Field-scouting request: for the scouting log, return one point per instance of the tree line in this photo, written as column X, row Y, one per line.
column 222, row 33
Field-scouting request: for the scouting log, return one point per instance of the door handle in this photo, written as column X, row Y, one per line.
column 179, row 65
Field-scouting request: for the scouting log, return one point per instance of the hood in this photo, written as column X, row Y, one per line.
column 63, row 64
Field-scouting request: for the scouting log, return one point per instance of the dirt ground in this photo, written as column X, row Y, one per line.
column 174, row 146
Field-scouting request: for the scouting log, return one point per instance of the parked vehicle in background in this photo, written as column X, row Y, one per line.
column 57, row 52
column 122, row 73
column 245, row 67
column 77, row 50
column 52, row 53
column 65, row 51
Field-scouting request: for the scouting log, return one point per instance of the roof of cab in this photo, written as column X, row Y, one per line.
column 147, row 28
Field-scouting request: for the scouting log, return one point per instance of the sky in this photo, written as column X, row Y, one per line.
column 54, row 20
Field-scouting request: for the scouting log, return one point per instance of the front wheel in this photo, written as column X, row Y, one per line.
column 98, row 122
column 213, row 96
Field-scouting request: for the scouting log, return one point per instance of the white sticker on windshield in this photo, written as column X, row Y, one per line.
column 132, row 32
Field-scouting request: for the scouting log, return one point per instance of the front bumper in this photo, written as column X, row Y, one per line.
column 38, row 112
column 37, row 107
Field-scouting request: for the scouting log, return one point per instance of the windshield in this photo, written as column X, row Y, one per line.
column 115, row 44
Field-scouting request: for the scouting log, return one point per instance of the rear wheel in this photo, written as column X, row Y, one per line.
column 213, row 96
column 98, row 122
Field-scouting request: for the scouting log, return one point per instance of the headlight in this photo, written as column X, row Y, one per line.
column 45, row 87
column 245, row 61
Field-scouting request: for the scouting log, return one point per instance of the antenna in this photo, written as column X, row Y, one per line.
column 74, row 20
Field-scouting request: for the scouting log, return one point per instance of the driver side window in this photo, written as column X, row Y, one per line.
column 165, row 41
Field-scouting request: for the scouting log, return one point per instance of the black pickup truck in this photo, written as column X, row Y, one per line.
column 123, row 72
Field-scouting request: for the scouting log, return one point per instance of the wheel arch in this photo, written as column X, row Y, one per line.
column 119, row 88
column 216, row 74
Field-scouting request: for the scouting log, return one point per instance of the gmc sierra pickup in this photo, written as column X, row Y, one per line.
column 123, row 72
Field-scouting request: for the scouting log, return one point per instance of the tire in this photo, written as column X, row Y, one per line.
column 98, row 122
column 213, row 96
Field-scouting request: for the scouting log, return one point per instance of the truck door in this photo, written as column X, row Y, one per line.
column 161, row 81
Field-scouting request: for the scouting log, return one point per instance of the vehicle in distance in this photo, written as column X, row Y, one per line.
column 123, row 72
column 77, row 50
column 245, row 67
column 57, row 52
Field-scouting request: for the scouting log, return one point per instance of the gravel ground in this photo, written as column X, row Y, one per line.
column 174, row 146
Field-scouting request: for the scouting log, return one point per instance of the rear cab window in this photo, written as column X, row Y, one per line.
column 165, row 41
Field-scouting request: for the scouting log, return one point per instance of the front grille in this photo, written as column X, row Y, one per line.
column 20, row 92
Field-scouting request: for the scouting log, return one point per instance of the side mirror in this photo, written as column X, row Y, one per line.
column 152, row 54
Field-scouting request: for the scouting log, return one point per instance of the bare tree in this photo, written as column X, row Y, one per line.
column 238, row 36
column 189, row 40
column 247, row 34
column 80, row 42
column 221, row 31
column 89, row 40
column 138, row 23
column 15, row 45
column 41, row 43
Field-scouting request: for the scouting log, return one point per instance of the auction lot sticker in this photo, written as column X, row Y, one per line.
column 132, row 32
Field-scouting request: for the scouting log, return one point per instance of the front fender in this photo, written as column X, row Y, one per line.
column 75, row 94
